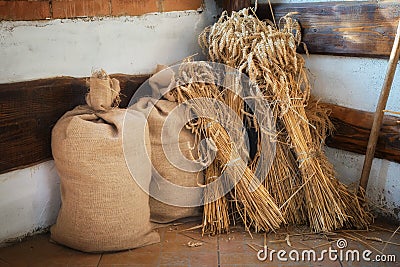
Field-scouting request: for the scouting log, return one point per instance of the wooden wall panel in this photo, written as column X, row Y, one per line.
column 29, row 110
column 352, row 128
column 343, row 28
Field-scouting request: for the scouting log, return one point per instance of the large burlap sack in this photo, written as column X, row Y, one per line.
column 174, row 159
column 103, row 207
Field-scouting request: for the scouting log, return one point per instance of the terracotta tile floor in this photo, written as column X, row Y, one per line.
column 237, row 248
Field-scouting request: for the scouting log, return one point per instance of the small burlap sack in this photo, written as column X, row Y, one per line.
column 103, row 206
column 174, row 154
column 171, row 145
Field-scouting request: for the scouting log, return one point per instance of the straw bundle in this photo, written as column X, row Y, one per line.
column 267, row 54
column 231, row 41
column 216, row 213
column 254, row 204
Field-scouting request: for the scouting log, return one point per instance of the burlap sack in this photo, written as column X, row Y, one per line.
column 162, row 83
column 169, row 135
column 103, row 207
column 104, row 94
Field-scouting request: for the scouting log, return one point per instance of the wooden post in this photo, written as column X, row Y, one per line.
column 235, row 5
column 373, row 137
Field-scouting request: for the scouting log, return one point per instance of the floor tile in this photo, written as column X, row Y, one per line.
column 239, row 258
column 367, row 244
column 129, row 257
column 154, row 248
column 229, row 250
column 204, row 259
column 174, row 259
column 38, row 251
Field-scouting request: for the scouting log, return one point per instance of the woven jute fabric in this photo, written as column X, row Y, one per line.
column 105, row 206
column 171, row 135
column 104, row 92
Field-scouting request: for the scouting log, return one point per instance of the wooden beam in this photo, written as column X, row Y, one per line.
column 29, row 110
column 343, row 28
column 352, row 128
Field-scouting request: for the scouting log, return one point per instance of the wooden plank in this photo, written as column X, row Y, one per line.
column 29, row 110
column 352, row 128
column 343, row 28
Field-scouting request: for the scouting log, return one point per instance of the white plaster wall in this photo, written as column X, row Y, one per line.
column 352, row 82
column 32, row 50
column 30, row 198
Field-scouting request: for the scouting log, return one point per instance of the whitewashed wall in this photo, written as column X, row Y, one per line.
column 29, row 198
column 32, row 50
